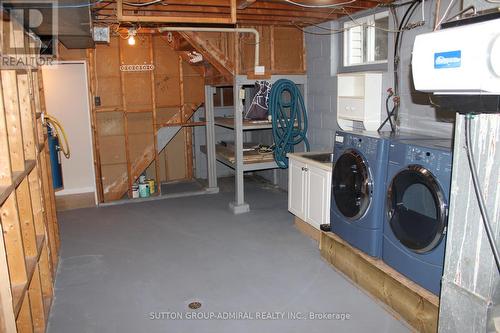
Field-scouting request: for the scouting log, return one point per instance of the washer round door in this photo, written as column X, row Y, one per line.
column 416, row 208
column 351, row 185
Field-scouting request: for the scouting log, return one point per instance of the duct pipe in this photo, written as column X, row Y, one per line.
column 259, row 70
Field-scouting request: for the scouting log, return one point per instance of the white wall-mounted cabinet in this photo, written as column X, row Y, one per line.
column 309, row 186
column 359, row 99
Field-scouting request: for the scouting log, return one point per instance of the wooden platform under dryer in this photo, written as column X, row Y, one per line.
column 403, row 298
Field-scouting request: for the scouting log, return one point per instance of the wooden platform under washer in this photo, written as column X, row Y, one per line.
column 405, row 299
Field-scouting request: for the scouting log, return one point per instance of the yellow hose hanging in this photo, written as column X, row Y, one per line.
column 59, row 130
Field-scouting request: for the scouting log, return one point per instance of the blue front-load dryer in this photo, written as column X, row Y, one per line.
column 418, row 190
column 358, row 189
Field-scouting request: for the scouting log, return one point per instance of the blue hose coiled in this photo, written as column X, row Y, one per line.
column 285, row 134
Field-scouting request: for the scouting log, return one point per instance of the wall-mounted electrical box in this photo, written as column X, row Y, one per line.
column 359, row 100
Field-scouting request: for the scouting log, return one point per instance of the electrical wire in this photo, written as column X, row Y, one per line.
column 369, row 25
column 319, row 6
column 477, row 189
column 444, row 15
column 337, row 31
column 352, row 19
column 144, row 4
column 389, row 113
column 397, row 51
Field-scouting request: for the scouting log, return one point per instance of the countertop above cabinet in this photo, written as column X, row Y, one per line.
column 307, row 158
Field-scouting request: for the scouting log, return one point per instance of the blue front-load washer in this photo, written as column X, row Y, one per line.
column 358, row 189
column 418, row 190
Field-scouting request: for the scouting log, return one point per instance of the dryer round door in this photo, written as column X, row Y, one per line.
column 351, row 185
column 416, row 208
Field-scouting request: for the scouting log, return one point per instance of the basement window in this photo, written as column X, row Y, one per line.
column 366, row 40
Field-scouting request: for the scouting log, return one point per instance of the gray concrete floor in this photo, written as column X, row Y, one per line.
column 122, row 265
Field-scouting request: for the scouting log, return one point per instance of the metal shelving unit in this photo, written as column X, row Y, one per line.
column 238, row 125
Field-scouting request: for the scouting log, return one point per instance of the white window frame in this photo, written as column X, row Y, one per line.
column 358, row 23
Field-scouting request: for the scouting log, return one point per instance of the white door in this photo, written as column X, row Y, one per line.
column 318, row 196
column 297, row 188
column 66, row 98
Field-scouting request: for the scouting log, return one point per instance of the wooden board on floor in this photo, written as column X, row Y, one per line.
column 414, row 304
column 307, row 229
column 75, row 201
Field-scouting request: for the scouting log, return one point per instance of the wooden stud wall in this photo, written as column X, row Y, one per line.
column 282, row 49
column 134, row 105
column 30, row 235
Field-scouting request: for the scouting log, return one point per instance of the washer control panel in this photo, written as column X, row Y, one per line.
column 366, row 145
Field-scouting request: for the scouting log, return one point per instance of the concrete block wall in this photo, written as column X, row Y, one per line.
column 323, row 52
column 416, row 111
column 322, row 60
column 417, row 114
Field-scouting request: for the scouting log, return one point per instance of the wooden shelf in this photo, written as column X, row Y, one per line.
column 30, row 241
column 19, row 290
column 47, row 303
column 228, row 122
column 252, row 160
column 248, row 125
column 17, row 178
column 5, row 191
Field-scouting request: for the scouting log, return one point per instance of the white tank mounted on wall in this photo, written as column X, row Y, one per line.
column 359, row 100
column 461, row 60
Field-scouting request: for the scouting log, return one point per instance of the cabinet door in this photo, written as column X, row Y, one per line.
column 318, row 196
column 297, row 188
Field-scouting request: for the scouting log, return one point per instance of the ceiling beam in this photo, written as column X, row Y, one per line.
column 242, row 4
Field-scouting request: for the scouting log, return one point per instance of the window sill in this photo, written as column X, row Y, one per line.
column 379, row 67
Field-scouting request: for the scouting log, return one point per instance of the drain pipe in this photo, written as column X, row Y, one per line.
column 259, row 70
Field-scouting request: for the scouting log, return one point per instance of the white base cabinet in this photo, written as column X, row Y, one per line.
column 309, row 187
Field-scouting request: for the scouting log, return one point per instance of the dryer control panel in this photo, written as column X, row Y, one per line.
column 432, row 159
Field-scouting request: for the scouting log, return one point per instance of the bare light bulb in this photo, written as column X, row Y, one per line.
column 131, row 40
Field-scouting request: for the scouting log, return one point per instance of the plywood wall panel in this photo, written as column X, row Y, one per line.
column 126, row 136
column 167, row 90
column 107, row 59
column 112, row 149
column 168, row 115
column 138, row 145
column 195, row 93
column 140, row 123
column 138, row 95
column 111, row 175
column 175, row 157
column 138, row 53
column 288, row 50
column 140, row 137
column 110, row 123
column 247, row 50
column 165, row 59
column 109, row 91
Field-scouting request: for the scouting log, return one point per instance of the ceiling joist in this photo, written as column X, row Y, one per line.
column 241, row 12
